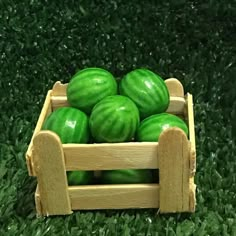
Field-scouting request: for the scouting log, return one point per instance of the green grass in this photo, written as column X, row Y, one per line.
column 45, row 41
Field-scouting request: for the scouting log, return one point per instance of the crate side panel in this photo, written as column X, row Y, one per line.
column 114, row 196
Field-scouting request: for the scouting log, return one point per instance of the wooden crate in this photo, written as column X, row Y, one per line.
column 174, row 155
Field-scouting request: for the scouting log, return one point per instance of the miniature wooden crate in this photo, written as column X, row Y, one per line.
column 174, row 155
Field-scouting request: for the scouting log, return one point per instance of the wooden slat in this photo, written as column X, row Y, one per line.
column 175, row 87
column 114, row 196
column 192, row 197
column 174, row 171
column 176, row 106
column 190, row 118
column 111, row 156
column 44, row 112
column 59, row 101
column 51, row 174
column 38, row 202
column 59, row 89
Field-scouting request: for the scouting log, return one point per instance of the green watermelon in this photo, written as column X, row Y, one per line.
column 79, row 177
column 114, row 119
column 151, row 127
column 69, row 123
column 129, row 176
column 147, row 90
column 89, row 86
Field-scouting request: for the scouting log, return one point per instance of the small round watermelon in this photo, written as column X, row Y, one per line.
column 151, row 127
column 79, row 177
column 89, row 86
column 69, row 123
column 147, row 90
column 129, row 176
column 114, row 119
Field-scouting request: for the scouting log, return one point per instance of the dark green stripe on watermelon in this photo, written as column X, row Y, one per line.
column 147, row 90
column 89, row 86
column 128, row 176
column 70, row 124
column 151, row 127
column 114, row 119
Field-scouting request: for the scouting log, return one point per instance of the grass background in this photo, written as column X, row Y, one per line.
column 45, row 41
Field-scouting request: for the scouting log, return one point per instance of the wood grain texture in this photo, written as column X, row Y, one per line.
column 175, row 87
column 114, row 196
column 51, row 174
column 174, row 171
column 46, row 110
column 109, row 156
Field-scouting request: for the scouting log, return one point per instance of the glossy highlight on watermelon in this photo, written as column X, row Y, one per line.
column 69, row 123
column 151, row 127
column 89, row 86
column 128, row 176
column 147, row 90
column 114, row 119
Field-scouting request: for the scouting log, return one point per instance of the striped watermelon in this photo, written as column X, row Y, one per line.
column 69, row 123
column 114, row 119
column 79, row 177
column 89, row 86
column 151, row 127
column 126, row 176
column 147, row 90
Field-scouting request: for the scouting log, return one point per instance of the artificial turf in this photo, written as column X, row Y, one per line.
column 45, row 41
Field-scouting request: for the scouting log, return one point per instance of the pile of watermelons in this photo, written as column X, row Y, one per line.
column 103, row 111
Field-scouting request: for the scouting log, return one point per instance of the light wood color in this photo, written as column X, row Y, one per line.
column 38, row 202
column 114, row 196
column 190, row 120
column 109, row 156
column 59, row 101
column 174, row 171
column 175, row 87
column 176, row 106
column 46, row 110
column 192, row 197
column 50, row 170
column 59, row 89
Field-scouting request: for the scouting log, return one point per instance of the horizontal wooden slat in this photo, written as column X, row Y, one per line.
column 114, row 196
column 176, row 106
column 111, row 156
column 59, row 101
